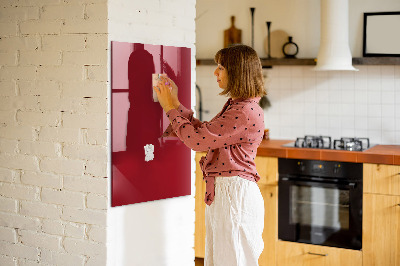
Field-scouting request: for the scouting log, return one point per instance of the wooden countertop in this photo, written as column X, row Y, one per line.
column 379, row 154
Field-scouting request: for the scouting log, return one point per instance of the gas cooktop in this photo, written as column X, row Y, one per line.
column 325, row 142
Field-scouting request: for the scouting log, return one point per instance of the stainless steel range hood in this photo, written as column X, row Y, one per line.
column 334, row 52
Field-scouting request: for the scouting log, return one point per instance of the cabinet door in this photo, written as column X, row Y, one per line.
column 267, row 168
column 200, row 207
column 270, row 233
column 297, row 254
column 381, row 230
column 381, row 179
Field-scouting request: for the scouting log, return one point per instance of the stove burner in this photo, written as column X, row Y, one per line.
column 308, row 141
column 351, row 144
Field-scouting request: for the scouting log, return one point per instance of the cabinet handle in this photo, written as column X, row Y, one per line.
column 398, row 204
column 318, row 254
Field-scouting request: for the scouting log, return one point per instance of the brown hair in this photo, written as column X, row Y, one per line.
column 245, row 78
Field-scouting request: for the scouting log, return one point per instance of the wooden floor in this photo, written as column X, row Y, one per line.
column 199, row 262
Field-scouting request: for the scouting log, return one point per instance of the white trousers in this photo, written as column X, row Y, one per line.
column 234, row 223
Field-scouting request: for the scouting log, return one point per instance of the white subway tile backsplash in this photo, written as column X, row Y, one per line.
column 338, row 104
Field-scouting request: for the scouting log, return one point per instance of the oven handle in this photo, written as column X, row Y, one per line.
column 297, row 181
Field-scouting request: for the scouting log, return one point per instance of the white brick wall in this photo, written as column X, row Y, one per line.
column 53, row 121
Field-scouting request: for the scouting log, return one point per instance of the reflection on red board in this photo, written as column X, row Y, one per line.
column 137, row 121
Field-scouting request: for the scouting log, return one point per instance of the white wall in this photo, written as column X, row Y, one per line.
column 338, row 104
column 158, row 232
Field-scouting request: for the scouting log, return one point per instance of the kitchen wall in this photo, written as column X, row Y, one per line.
column 158, row 232
column 53, row 121
column 339, row 104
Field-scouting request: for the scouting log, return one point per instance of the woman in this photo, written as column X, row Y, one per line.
column 235, row 207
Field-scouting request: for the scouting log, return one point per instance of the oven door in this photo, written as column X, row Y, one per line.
column 320, row 212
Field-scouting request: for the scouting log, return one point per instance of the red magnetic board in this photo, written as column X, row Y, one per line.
column 136, row 121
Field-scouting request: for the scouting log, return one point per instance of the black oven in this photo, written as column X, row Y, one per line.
column 320, row 202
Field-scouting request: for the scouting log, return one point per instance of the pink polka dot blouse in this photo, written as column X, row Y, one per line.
column 231, row 139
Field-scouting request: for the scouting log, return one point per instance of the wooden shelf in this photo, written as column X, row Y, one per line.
column 312, row 61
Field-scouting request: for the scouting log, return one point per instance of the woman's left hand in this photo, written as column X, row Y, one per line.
column 163, row 90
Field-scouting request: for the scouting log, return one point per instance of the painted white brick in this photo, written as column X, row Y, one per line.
column 19, row 43
column 17, row 132
column 39, row 118
column 17, row 161
column 95, row 105
column 62, row 166
column 95, row 136
column 87, row 57
column 39, row 87
column 75, row 230
column 19, row 251
column 97, row 42
column 98, row 260
column 61, row 259
column 53, row 227
column 7, row 117
column 40, row 27
column 84, row 216
column 8, row 261
column 64, row 104
column 8, row 234
column 85, row 89
column 98, row 121
column 18, row 13
column 98, row 11
column 25, row 103
column 63, row 197
column 98, row 169
column 40, row 58
column 57, row 134
column 26, row 262
column 8, row 58
column 85, row 152
column 8, row 146
column 8, row 204
column 86, row 184
column 60, row 73
column 85, row 26
column 40, row 148
column 34, row 2
column 18, row 72
column 38, row 209
column 97, row 234
column 84, row 247
column 41, row 179
column 17, row 191
column 62, row 12
column 35, row 239
column 19, row 221
column 7, row 88
column 7, row 175
column 96, row 73
column 67, row 42
column 94, row 201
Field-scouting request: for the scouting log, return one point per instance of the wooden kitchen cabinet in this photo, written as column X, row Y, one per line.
column 270, row 233
column 381, row 230
column 298, row 254
column 381, row 179
column 267, row 168
column 200, row 207
column 381, row 215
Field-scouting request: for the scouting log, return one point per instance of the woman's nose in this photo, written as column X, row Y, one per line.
column 215, row 72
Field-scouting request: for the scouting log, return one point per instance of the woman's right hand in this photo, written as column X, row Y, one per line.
column 174, row 90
